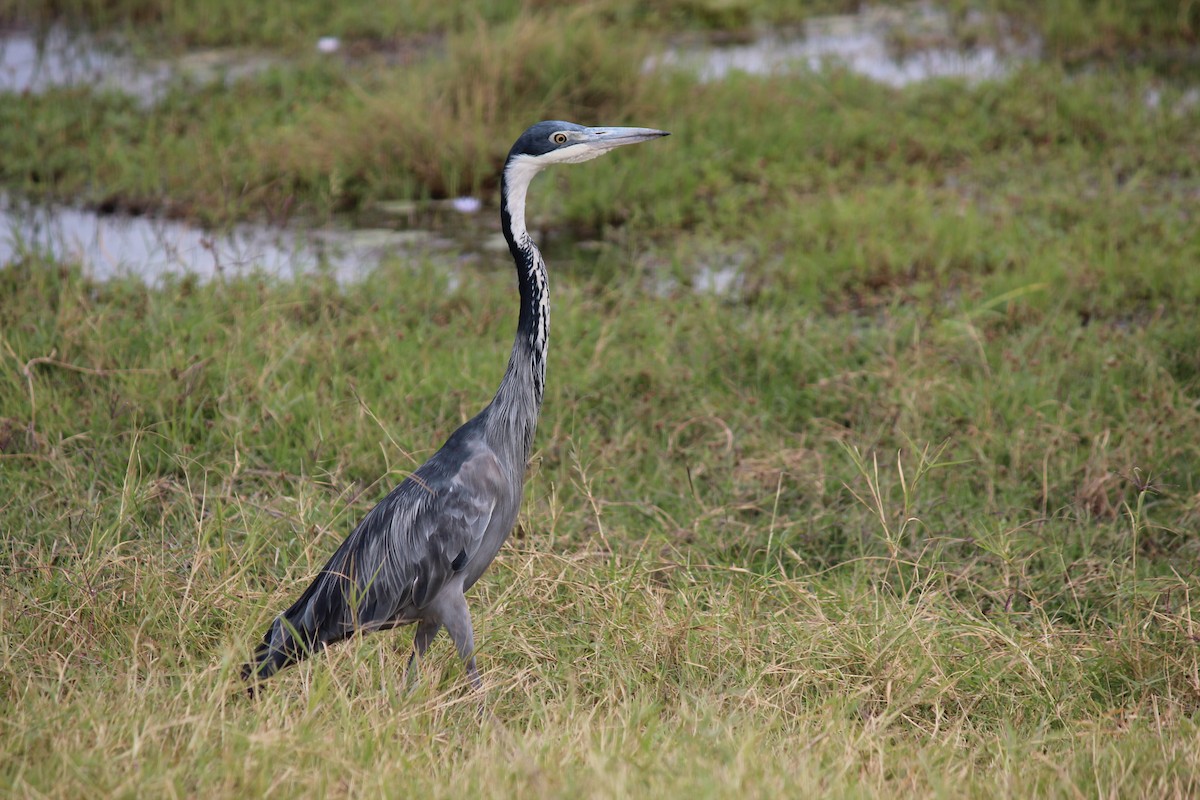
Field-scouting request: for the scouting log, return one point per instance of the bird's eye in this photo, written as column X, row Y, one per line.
column 559, row 138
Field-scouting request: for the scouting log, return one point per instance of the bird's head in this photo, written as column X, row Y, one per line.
column 555, row 142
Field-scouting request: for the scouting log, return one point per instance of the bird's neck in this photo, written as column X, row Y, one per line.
column 519, row 400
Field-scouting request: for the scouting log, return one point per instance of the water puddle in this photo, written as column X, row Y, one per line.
column 108, row 246
column 896, row 47
column 723, row 281
column 720, row 271
column 449, row 234
column 58, row 59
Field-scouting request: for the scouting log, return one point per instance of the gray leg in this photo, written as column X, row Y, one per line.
column 426, row 630
column 454, row 614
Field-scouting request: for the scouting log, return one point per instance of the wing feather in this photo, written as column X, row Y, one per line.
column 402, row 553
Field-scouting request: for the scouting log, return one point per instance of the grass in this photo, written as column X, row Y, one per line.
column 883, row 571
column 910, row 510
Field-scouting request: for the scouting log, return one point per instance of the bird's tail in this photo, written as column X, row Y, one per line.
column 342, row 599
column 314, row 621
column 281, row 647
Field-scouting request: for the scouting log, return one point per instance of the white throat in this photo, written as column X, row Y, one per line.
column 522, row 168
column 517, row 176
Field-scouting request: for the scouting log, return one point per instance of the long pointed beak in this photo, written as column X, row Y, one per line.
column 605, row 139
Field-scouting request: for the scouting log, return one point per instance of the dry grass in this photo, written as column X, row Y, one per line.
column 708, row 603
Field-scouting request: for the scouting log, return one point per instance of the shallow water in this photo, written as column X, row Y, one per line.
column 58, row 59
column 28, row 65
column 862, row 43
column 107, row 246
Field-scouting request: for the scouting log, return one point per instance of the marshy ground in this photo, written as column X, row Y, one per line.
column 870, row 458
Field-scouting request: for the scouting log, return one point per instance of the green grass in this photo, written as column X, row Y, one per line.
column 912, row 510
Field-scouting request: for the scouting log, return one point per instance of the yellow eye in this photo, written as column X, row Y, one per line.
column 559, row 138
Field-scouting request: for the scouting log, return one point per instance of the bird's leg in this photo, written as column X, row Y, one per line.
column 426, row 630
column 457, row 618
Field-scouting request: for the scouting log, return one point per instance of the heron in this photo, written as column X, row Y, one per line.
column 414, row 556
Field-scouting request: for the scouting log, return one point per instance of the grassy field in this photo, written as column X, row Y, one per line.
column 911, row 509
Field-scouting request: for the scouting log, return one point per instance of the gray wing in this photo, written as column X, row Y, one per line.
column 411, row 544
column 403, row 552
